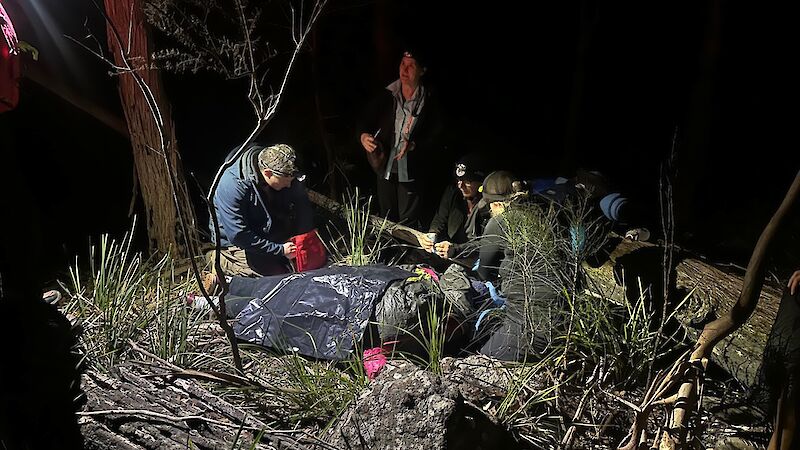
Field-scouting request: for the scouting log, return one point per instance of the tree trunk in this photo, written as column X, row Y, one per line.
column 153, row 176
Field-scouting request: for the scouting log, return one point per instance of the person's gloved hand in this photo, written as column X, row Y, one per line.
column 497, row 298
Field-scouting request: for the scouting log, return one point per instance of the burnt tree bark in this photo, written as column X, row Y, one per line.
column 151, row 173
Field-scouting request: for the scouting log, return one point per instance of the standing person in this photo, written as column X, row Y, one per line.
column 462, row 212
column 261, row 203
column 401, row 135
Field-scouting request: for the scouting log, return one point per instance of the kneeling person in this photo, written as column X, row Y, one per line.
column 260, row 204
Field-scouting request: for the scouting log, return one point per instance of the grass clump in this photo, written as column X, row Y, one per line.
column 124, row 297
column 361, row 243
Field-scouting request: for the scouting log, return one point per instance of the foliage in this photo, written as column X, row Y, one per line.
column 545, row 247
column 207, row 35
column 430, row 333
column 362, row 243
column 583, row 343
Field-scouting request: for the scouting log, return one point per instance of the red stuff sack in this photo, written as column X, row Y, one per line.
column 310, row 254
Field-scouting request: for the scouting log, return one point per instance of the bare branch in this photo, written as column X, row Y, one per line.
column 167, row 417
column 97, row 54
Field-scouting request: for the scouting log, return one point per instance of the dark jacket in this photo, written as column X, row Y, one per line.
column 253, row 216
column 452, row 221
column 494, row 252
column 426, row 135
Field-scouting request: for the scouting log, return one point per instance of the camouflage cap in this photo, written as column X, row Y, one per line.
column 280, row 159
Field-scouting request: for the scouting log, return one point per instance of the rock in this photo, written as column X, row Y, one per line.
column 410, row 408
column 478, row 378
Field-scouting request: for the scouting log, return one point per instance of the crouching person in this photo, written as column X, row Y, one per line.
column 260, row 204
column 520, row 259
column 462, row 213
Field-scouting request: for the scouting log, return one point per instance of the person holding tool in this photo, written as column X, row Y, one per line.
column 407, row 125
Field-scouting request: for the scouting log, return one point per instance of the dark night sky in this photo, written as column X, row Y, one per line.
column 596, row 84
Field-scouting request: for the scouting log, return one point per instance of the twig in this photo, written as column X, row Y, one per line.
column 570, row 434
column 668, row 227
column 279, row 434
column 167, row 417
column 144, row 352
column 622, row 400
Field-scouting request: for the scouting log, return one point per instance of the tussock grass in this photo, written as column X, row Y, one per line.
column 304, row 392
column 430, row 336
column 362, row 242
column 124, row 296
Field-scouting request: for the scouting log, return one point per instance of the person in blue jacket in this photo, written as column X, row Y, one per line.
column 260, row 204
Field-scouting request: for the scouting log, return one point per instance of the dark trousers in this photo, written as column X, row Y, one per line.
column 400, row 202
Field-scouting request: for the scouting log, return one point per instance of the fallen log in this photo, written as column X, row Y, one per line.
column 395, row 230
column 709, row 293
column 399, row 232
column 710, row 290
